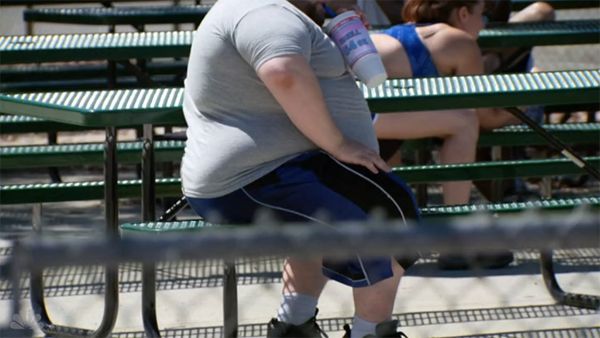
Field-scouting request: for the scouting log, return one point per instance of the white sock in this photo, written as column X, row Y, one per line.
column 296, row 308
column 361, row 327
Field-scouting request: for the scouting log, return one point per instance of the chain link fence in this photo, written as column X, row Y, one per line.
column 507, row 302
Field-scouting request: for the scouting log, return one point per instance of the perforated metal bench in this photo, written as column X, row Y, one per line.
column 171, row 187
column 83, row 153
column 230, row 305
column 11, row 124
column 146, row 45
column 520, row 135
column 35, row 78
column 124, row 15
column 37, row 156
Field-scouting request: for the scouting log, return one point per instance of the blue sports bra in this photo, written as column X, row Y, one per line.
column 420, row 60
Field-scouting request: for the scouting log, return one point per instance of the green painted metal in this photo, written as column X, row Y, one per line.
column 128, row 15
column 75, row 191
column 475, row 91
column 431, row 212
column 42, row 156
column 81, row 191
column 163, row 105
column 82, row 71
column 25, row 124
column 134, row 45
column 60, row 2
column 491, row 170
column 521, row 135
column 550, row 204
column 129, row 152
column 94, row 46
column 570, row 133
column 162, row 227
column 529, row 34
column 100, row 108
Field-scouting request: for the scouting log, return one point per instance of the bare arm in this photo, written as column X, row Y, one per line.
column 471, row 63
column 294, row 85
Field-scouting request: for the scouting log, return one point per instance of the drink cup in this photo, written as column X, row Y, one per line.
column 353, row 40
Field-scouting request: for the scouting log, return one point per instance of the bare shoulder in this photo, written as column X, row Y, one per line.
column 384, row 42
column 453, row 51
column 450, row 39
column 392, row 54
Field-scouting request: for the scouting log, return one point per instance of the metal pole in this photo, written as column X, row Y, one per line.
column 556, row 143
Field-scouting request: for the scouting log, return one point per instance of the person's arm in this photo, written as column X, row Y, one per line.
column 291, row 80
column 470, row 62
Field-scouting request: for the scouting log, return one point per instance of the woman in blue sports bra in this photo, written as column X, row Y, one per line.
column 446, row 47
column 439, row 39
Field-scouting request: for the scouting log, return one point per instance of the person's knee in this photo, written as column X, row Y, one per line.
column 466, row 125
column 543, row 11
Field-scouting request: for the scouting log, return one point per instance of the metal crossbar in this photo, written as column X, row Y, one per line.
column 163, row 105
column 477, row 91
column 121, row 46
column 139, row 15
column 171, row 187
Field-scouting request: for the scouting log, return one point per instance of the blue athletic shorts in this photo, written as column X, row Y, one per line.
column 316, row 187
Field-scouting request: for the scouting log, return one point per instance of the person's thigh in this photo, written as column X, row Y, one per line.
column 316, row 188
column 416, row 125
column 337, row 191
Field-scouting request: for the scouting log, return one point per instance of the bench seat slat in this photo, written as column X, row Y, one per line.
column 132, row 45
column 128, row 15
column 80, row 191
column 129, row 152
column 83, row 153
column 416, row 94
column 25, row 124
column 431, row 212
column 90, row 107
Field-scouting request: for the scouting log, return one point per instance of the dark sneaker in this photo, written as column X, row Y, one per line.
column 309, row 329
column 387, row 329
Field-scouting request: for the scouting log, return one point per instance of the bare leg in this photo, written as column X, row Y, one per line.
column 458, row 128
column 460, row 147
column 492, row 118
column 303, row 276
column 375, row 303
column 536, row 12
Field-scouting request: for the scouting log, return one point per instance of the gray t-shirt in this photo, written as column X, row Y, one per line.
column 237, row 132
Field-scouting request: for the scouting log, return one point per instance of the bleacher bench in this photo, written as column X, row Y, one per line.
column 122, row 15
column 171, row 187
column 16, row 157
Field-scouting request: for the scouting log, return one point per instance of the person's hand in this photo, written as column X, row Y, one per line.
column 353, row 152
column 363, row 17
column 361, row 14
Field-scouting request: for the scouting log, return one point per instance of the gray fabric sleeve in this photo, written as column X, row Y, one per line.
column 270, row 32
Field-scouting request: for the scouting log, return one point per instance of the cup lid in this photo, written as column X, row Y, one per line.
column 334, row 21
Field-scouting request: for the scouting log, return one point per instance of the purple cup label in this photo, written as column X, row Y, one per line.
column 352, row 38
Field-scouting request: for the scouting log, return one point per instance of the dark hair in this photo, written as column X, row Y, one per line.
column 431, row 11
